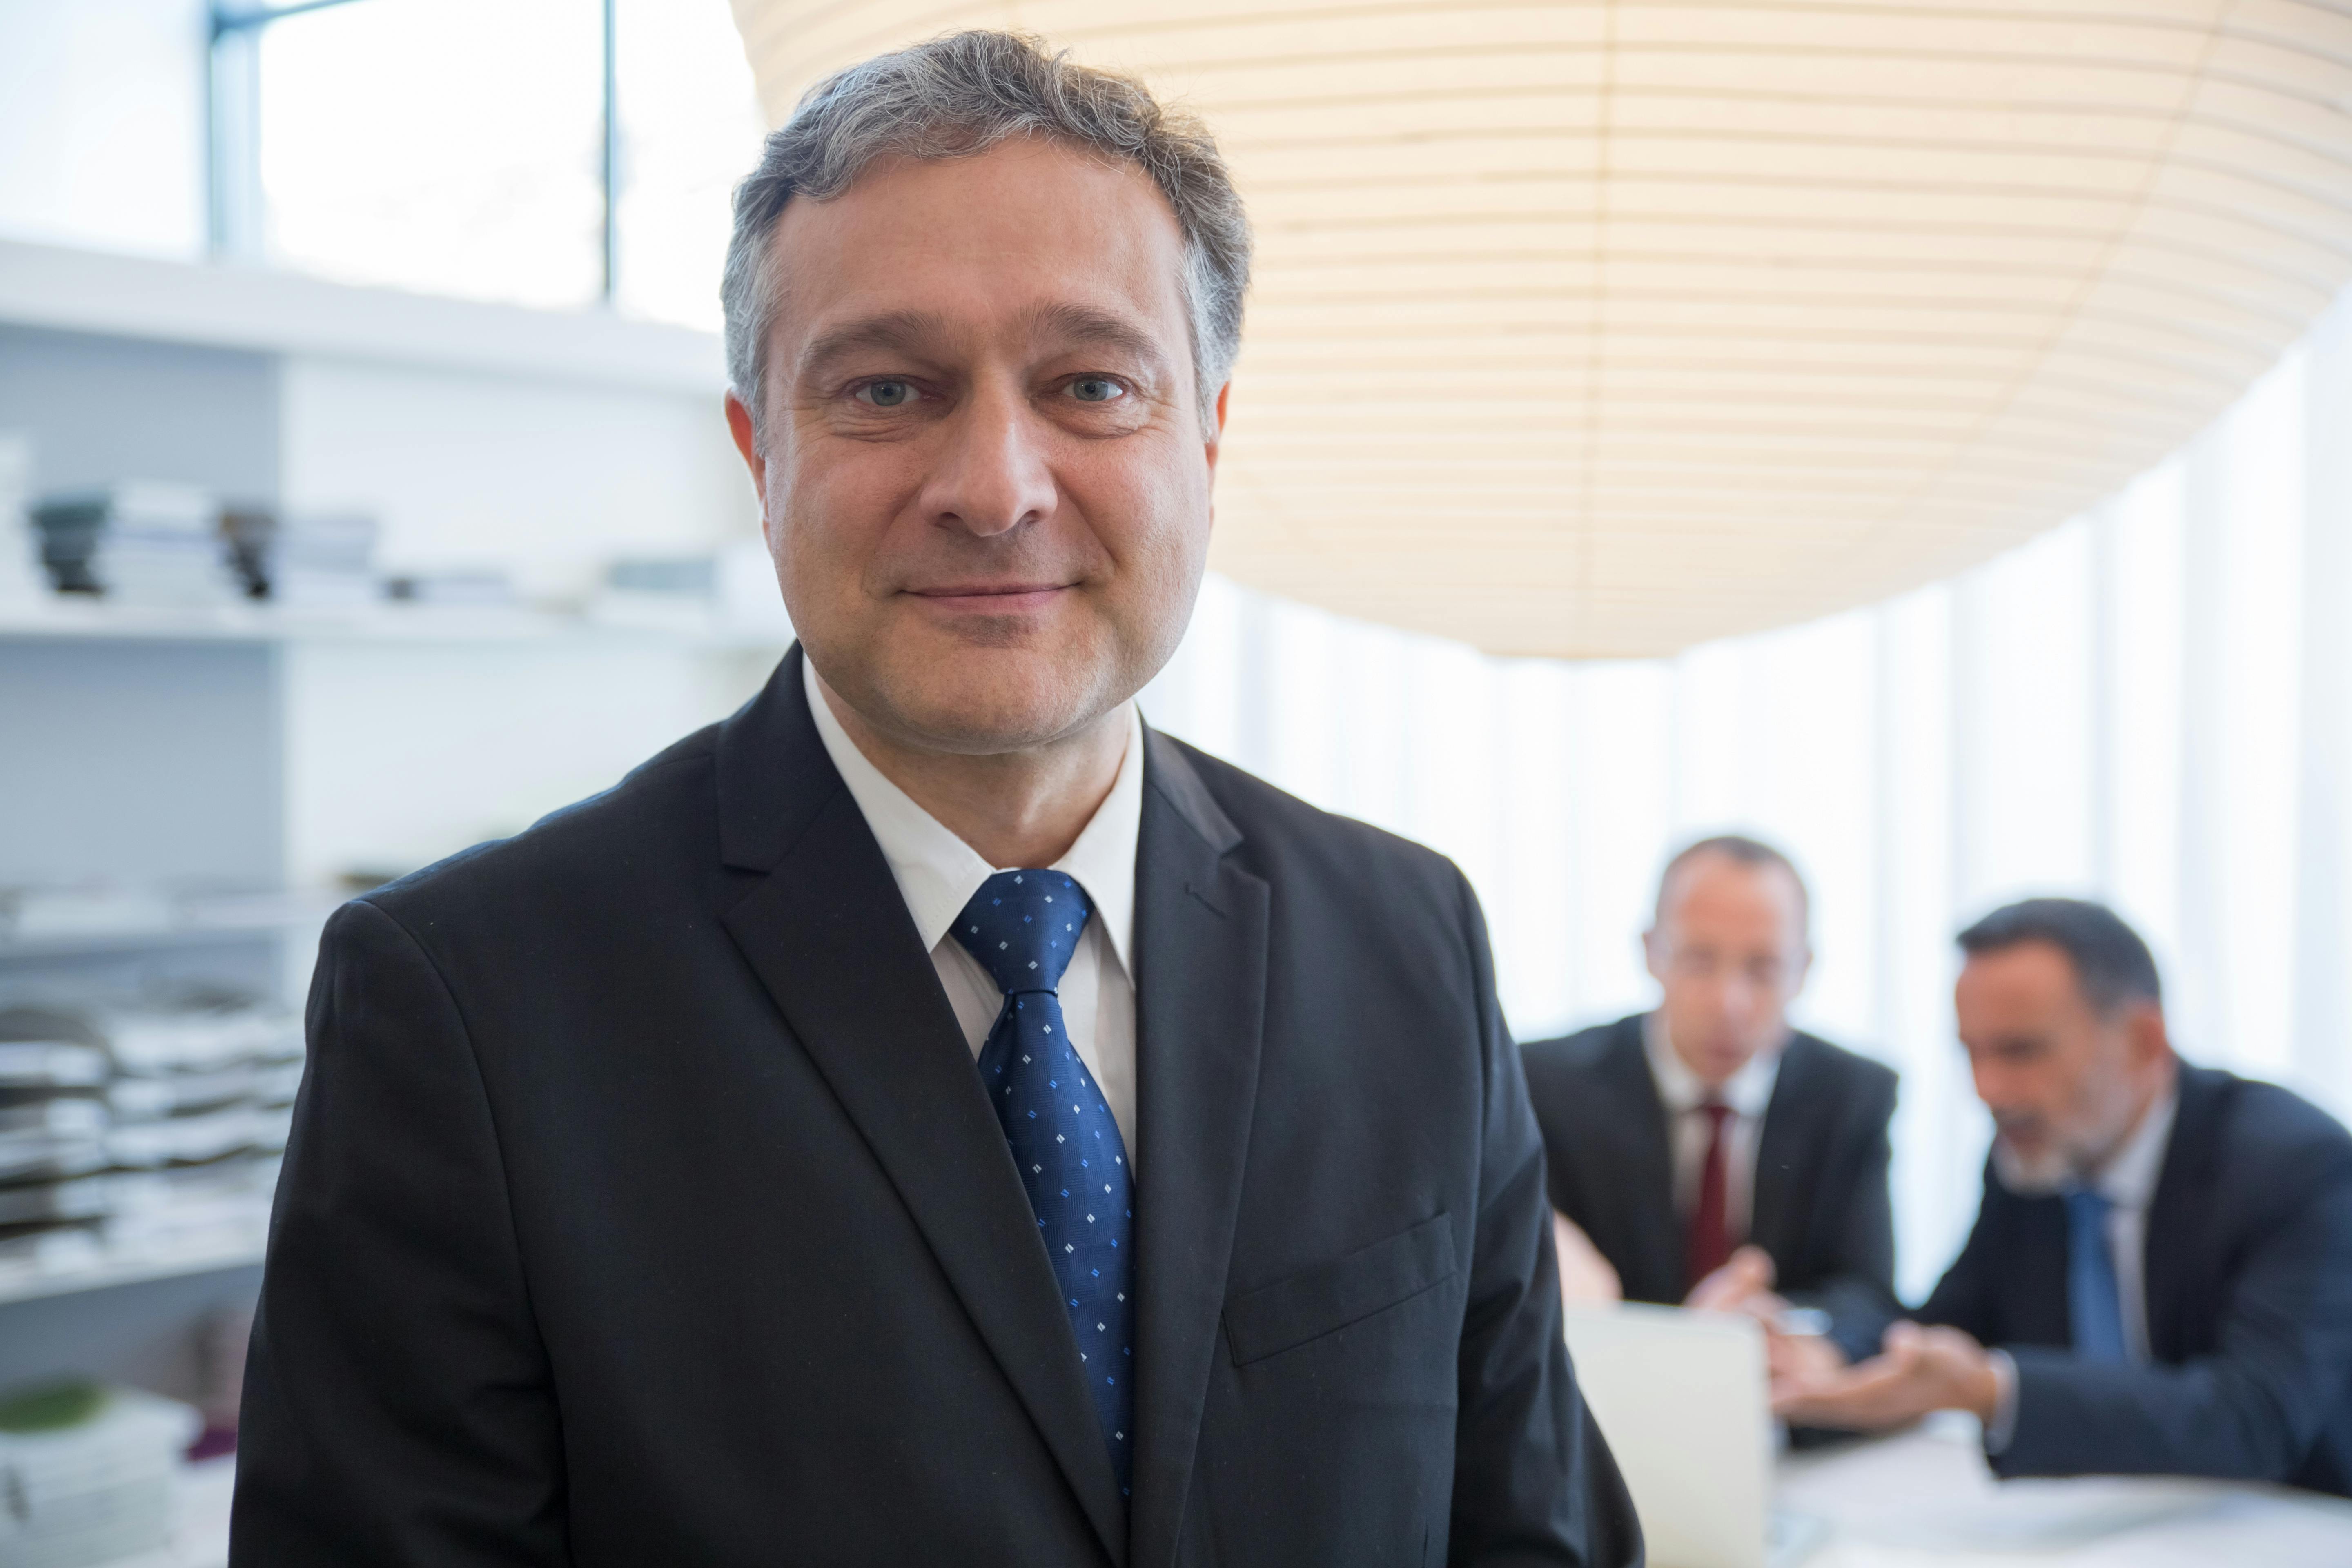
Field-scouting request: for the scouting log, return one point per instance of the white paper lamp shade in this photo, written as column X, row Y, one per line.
column 1599, row 330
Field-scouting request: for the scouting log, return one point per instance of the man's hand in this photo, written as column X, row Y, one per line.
column 1744, row 1284
column 1919, row 1369
column 1799, row 1362
column 1586, row 1279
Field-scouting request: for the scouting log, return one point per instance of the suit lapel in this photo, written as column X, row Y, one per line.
column 2175, row 1225
column 830, row 938
column 1788, row 1137
column 1200, row 960
column 1656, row 1243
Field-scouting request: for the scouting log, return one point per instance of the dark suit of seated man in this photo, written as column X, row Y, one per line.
column 929, row 1118
column 2162, row 1268
column 1706, row 1151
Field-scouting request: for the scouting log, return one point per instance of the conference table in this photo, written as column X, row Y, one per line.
column 1924, row 1498
column 1920, row 1499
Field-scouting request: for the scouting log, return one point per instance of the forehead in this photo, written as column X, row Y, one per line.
column 1716, row 891
column 2030, row 983
column 997, row 241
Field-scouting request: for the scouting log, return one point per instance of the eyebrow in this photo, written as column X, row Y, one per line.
column 1085, row 324
column 904, row 332
column 914, row 333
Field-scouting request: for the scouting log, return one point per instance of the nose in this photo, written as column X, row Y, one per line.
column 991, row 476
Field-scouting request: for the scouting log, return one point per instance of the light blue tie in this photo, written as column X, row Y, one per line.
column 2094, row 1301
column 1024, row 926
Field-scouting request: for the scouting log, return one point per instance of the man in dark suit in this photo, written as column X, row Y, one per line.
column 2160, row 1278
column 929, row 1118
column 1709, row 1152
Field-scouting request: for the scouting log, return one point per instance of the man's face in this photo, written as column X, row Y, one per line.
column 1729, row 954
column 984, row 465
column 2064, row 1083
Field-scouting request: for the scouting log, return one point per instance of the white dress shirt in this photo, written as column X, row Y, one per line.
column 1746, row 1094
column 938, row 873
column 2128, row 1184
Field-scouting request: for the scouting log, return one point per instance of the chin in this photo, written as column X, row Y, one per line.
column 2032, row 1173
column 981, row 702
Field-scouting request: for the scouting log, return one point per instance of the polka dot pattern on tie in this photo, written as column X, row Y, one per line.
column 1024, row 926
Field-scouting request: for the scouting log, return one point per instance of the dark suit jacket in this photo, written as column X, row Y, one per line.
column 1820, row 1205
column 2249, row 1289
column 644, row 1206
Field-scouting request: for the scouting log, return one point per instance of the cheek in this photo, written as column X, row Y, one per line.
column 1148, row 511
column 826, row 517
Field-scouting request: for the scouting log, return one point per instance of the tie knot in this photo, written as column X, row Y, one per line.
column 1023, row 926
column 2086, row 1207
column 1714, row 1110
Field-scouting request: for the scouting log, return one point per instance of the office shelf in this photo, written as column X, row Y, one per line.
column 201, row 922
column 130, row 940
column 62, row 618
column 235, row 1250
column 252, row 308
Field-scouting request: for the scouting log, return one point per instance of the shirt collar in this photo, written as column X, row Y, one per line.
column 937, row 872
column 2130, row 1180
column 1747, row 1091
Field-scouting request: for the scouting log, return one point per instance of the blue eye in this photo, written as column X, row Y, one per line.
column 1096, row 389
column 886, row 393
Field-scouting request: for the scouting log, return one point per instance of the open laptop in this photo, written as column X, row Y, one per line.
column 1681, row 1398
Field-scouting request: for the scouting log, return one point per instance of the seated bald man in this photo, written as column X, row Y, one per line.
column 1706, row 1151
column 930, row 1117
column 2161, row 1277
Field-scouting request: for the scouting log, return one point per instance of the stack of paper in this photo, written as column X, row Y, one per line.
column 88, row 1474
column 308, row 562
column 140, row 1135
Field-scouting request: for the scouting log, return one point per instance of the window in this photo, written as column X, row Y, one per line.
column 458, row 147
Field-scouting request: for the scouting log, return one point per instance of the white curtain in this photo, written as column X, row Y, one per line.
column 2151, row 706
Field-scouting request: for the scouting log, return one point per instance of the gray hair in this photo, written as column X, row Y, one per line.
column 960, row 95
column 2113, row 967
column 1742, row 850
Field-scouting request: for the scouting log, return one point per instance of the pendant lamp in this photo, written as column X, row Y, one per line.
column 1598, row 330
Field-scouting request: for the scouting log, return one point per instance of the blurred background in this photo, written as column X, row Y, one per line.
column 1920, row 438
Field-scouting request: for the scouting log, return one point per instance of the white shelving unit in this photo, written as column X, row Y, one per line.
column 62, row 617
column 236, row 306
column 235, row 745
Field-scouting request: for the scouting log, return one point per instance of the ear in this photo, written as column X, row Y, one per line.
column 1216, row 432
column 1801, row 969
column 2145, row 1037
column 747, row 441
column 1653, row 955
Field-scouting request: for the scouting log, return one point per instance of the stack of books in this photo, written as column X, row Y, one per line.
column 306, row 561
column 139, row 541
column 140, row 1136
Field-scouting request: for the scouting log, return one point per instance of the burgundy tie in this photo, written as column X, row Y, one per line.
column 1707, row 1247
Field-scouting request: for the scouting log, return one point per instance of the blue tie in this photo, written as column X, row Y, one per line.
column 1024, row 926
column 2094, row 1301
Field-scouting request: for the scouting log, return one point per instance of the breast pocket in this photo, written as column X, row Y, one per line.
column 1327, row 1296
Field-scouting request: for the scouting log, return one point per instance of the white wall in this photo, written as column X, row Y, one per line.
column 102, row 124
column 549, row 480
column 398, row 754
